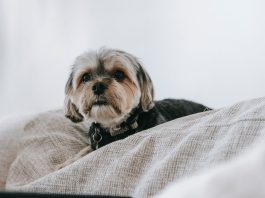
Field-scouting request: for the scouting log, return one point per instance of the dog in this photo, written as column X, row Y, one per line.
column 111, row 88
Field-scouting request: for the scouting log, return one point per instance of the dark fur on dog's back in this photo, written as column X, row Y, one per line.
column 166, row 110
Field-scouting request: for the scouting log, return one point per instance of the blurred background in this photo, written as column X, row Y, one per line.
column 207, row 51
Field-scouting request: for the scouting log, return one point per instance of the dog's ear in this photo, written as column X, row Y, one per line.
column 147, row 91
column 70, row 109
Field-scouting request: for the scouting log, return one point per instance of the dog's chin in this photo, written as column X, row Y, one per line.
column 105, row 114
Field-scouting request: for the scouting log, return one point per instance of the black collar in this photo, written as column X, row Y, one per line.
column 100, row 136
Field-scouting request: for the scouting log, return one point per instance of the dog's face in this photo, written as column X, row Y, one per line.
column 105, row 86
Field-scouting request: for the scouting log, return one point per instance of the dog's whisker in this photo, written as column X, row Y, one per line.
column 129, row 88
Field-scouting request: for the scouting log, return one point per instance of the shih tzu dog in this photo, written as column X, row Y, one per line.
column 111, row 88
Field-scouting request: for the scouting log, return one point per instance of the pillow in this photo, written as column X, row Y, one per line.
column 241, row 177
column 140, row 165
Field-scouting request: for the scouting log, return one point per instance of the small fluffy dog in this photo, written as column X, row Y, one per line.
column 111, row 88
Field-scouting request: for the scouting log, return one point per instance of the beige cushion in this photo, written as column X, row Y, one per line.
column 140, row 165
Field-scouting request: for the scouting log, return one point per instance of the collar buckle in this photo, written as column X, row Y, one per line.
column 96, row 137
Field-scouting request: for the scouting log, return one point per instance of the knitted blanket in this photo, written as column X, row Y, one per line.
column 32, row 147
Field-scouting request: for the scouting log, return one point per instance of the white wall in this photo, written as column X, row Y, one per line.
column 208, row 51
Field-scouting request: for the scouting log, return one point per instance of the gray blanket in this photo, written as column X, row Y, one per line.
column 32, row 147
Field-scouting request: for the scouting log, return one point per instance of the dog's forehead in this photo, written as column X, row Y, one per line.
column 86, row 60
column 107, row 60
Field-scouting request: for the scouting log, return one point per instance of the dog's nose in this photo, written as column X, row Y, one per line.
column 99, row 88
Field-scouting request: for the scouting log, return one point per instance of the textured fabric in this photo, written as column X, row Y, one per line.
column 140, row 165
column 242, row 177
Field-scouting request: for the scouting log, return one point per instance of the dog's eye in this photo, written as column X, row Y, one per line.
column 119, row 75
column 86, row 77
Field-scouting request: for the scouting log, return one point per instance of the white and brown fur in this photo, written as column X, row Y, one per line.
column 120, row 96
